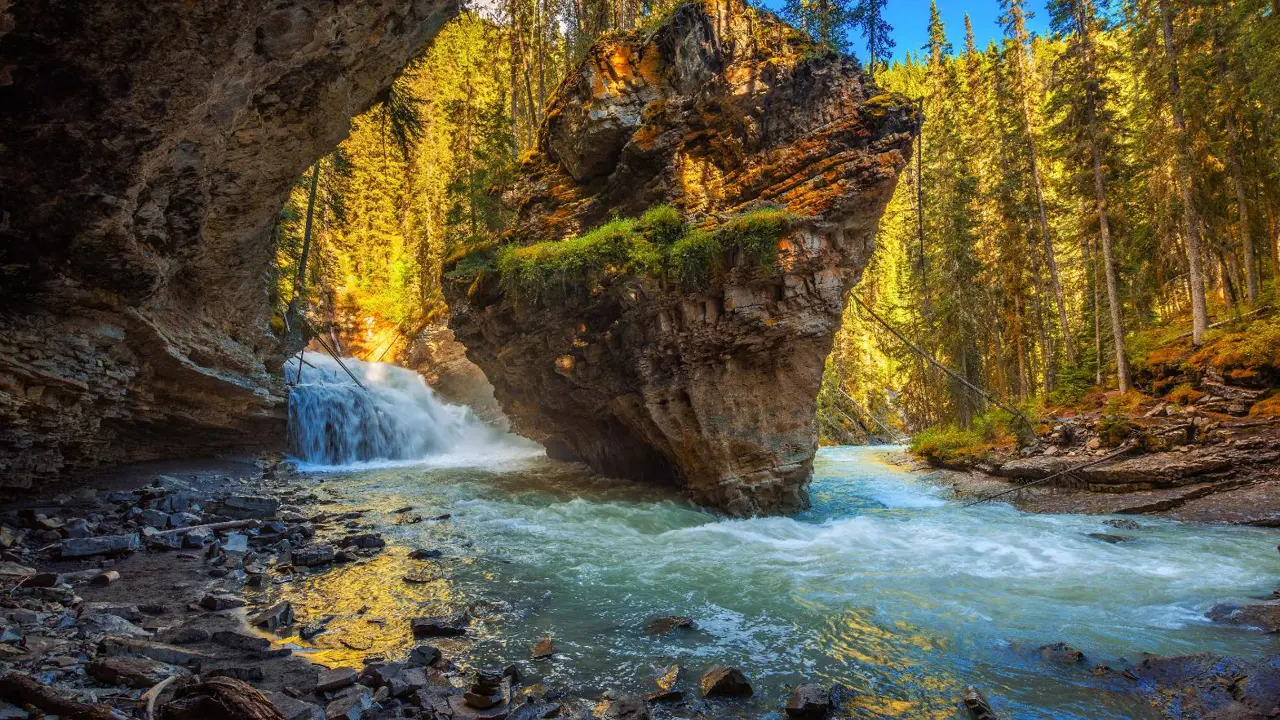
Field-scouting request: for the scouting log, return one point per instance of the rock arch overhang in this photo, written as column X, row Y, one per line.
column 719, row 110
column 145, row 148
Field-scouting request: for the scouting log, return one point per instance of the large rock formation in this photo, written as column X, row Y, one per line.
column 145, row 148
column 720, row 110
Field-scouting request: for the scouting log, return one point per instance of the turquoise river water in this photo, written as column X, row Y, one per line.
column 884, row 586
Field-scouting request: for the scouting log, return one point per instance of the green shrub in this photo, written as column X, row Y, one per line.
column 755, row 234
column 694, row 258
column 947, row 444
column 532, row 270
column 663, row 224
column 658, row 243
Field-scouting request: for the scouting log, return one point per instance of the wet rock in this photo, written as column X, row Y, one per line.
column 721, row 681
column 534, row 711
column 294, row 709
column 487, row 691
column 350, row 704
column 1209, row 686
column 275, row 617
column 425, row 554
column 440, row 625
column 1265, row 616
column 543, row 648
column 97, row 624
column 311, row 555
column 1122, row 524
column 424, row 655
column 247, row 674
column 245, row 507
column 1109, row 538
column 131, row 671
column 171, row 654
column 241, row 641
column 976, row 704
column 12, row 570
column 365, row 541
column 236, row 545
column 809, row 702
column 103, row 545
column 336, row 679
column 1061, row 653
column 627, row 707
column 664, row 625
column 77, row 528
column 187, row 636
column 218, row 602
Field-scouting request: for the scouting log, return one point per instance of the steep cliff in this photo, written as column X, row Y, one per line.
column 144, row 151
column 686, row 345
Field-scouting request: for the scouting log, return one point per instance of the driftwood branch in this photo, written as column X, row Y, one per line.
column 27, row 691
column 1124, row 449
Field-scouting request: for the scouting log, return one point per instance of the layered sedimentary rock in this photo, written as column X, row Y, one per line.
column 144, row 151
column 719, row 111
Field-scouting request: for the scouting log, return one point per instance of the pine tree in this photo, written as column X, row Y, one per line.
column 1083, row 90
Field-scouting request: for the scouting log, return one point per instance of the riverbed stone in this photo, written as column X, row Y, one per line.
column 977, row 704
column 543, row 648
column 810, row 701
column 424, row 655
column 350, row 704
column 336, row 679
column 220, row 601
column 132, row 671
column 1264, row 616
column 664, row 625
column 627, row 707
column 102, row 545
column 245, row 507
column 1060, row 653
column 311, row 555
column 440, row 625
column 275, row 617
column 722, row 681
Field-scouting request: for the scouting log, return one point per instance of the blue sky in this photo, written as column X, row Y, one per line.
column 910, row 20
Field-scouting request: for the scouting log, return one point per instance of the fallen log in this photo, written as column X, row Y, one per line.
column 29, row 692
column 215, row 527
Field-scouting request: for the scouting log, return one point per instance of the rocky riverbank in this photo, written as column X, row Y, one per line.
column 159, row 593
column 1180, row 462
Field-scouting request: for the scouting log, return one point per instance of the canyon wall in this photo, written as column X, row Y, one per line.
column 145, row 149
column 719, row 111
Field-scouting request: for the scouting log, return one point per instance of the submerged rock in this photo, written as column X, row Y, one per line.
column 809, row 702
column 721, row 681
column 1264, row 616
column 701, row 372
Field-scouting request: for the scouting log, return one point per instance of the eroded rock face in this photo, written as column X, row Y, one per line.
column 720, row 110
column 144, row 151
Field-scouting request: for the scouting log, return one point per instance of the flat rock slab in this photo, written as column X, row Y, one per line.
column 132, row 671
column 105, row 545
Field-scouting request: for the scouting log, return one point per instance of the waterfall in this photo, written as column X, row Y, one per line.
column 394, row 419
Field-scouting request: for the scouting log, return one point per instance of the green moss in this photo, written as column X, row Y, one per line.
column 660, row 243
column 755, row 234
column 533, row 270
column 694, row 258
column 663, row 224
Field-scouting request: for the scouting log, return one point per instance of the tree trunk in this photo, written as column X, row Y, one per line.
column 1100, row 201
column 1097, row 315
column 1242, row 206
column 1190, row 221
